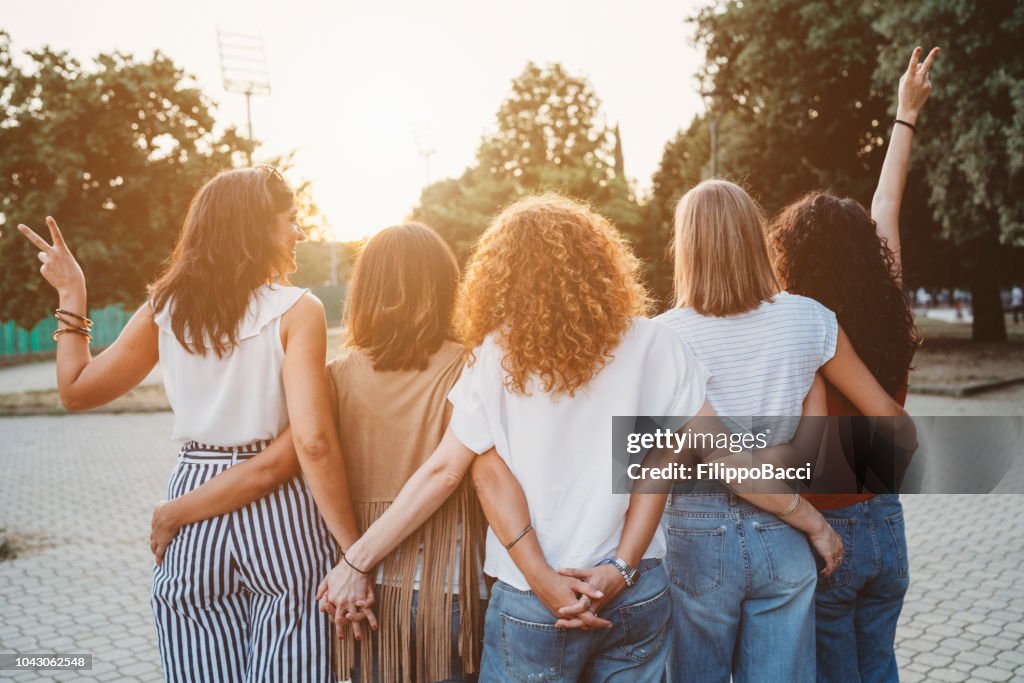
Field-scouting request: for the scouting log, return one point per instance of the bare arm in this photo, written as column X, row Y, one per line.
column 233, row 488
column 307, row 394
column 847, row 373
column 505, row 506
column 85, row 382
column 806, row 443
column 421, row 496
column 914, row 89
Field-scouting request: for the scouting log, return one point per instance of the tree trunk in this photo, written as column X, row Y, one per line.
column 989, row 321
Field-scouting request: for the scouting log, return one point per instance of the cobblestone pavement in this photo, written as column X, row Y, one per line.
column 76, row 492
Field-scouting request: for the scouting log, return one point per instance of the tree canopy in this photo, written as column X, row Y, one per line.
column 114, row 150
column 805, row 93
column 550, row 136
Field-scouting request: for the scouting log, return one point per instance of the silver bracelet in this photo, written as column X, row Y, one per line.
column 521, row 534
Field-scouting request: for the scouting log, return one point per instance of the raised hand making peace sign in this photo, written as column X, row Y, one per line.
column 59, row 267
column 915, row 85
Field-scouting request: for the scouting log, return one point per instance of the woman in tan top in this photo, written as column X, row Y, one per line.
column 391, row 410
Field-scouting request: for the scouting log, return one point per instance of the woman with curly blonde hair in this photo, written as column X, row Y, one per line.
column 551, row 312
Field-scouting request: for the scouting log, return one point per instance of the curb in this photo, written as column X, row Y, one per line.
column 962, row 390
column 32, row 411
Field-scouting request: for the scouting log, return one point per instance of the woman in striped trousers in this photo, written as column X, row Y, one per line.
column 233, row 595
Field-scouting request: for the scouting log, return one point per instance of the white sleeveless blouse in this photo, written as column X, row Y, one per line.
column 238, row 399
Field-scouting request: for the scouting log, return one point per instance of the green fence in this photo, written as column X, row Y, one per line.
column 15, row 341
column 109, row 321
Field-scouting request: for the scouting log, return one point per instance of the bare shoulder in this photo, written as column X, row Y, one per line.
column 305, row 319
column 143, row 321
column 306, row 310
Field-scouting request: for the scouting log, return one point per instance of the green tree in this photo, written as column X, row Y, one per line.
column 970, row 142
column 550, row 137
column 795, row 81
column 549, row 122
column 460, row 208
column 114, row 150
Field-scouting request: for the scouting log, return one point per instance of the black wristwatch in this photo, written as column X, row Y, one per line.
column 629, row 573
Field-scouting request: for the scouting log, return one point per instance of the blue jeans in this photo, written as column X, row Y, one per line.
column 456, row 660
column 858, row 606
column 742, row 592
column 521, row 643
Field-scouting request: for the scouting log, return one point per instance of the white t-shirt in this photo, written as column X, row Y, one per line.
column 762, row 362
column 560, row 447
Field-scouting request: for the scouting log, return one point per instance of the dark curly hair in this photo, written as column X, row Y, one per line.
column 825, row 247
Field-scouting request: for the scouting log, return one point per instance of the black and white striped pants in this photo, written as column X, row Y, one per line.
column 234, row 599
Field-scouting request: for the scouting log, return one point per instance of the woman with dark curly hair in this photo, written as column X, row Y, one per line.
column 829, row 248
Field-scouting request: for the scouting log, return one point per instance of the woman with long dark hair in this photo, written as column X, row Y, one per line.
column 242, row 356
column 829, row 248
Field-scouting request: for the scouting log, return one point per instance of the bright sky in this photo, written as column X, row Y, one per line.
column 353, row 82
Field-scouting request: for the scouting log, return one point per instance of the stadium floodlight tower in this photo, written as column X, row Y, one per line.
column 424, row 145
column 243, row 66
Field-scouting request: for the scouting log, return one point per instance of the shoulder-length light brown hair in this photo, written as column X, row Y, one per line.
column 558, row 285
column 721, row 257
column 400, row 298
column 227, row 248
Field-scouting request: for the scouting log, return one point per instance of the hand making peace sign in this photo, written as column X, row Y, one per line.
column 915, row 85
column 59, row 267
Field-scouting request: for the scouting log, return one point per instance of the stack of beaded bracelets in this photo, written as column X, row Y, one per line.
column 80, row 326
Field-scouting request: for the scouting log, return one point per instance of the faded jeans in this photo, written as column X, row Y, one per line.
column 743, row 586
column 522, row 645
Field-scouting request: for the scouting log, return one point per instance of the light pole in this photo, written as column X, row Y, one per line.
column 713, row 105
column 243, row 67
column 424, row 146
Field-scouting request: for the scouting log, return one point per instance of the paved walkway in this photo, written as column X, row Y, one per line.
column 42, row 376
column 77, row 491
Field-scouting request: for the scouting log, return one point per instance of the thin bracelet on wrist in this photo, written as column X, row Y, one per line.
column 72, row 330
column 60, row 311
column 345, row 558
column 515, row 540
column 793, row 507
column 907, row 124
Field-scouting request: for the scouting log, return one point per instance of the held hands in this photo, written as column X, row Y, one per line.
column 571, row 599
column 607, row 581
column 915, row 86
column 347, row 595
column 59, row 267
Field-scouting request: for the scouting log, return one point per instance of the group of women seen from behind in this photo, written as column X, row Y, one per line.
column 311, row 500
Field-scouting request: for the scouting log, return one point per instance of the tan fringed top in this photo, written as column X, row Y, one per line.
column 389, row 422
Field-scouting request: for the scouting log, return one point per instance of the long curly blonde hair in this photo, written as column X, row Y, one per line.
column 558, row 285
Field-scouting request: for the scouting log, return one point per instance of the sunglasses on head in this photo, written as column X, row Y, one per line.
column 272, row 172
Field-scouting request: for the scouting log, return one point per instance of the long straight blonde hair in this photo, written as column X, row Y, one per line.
column 721, row 257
